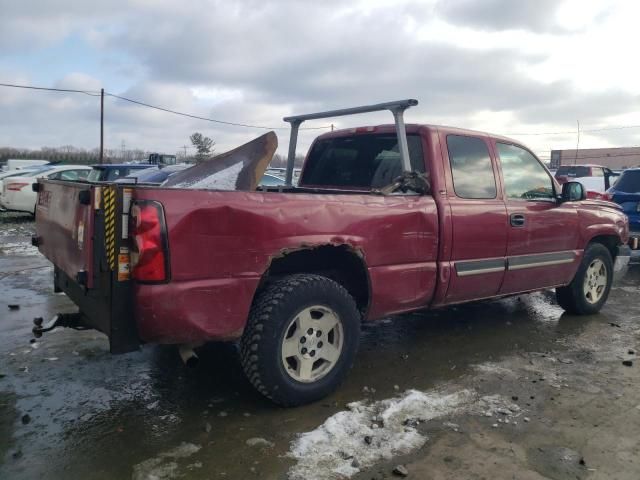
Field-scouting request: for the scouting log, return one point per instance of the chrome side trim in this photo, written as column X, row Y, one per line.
column 478, row 267
column 540, row 260
column 539, row 264
column 467, row 268
column 479, row 271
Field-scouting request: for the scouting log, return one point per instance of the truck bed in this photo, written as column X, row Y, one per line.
column 220, row 244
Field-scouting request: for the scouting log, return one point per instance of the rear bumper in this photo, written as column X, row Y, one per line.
column 195, row 311
column 621, row 264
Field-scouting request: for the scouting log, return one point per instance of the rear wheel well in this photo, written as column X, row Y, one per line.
column 340, row 263
column 611, row 242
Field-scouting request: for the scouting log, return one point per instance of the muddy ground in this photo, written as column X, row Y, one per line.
column 504, row 389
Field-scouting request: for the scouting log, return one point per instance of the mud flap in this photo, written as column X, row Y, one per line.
column 239, row 169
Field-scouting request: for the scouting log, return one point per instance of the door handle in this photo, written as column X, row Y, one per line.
column 516, row 219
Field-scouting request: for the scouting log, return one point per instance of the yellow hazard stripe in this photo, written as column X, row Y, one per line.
column 110, row 225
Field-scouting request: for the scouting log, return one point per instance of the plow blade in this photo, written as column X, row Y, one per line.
column 239, row 169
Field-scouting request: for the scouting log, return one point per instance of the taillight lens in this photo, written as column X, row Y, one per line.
column 593, row 195
column 16, row 187
column 149, row 249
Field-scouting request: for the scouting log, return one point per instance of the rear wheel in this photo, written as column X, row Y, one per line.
column 301, row 338
column 589, row 289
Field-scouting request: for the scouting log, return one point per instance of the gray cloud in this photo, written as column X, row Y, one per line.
column 26, row 26
column 533, row 15
column 282, row 58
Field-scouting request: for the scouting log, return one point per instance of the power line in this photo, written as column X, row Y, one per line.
column 235, row 124
column 582, row 130
column 613, row 155
column 197, row 117
column 163, row 109
column 168, row 110
column 28, row 87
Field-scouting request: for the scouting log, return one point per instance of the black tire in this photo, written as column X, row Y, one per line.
column 282, row 302
column 573, row 297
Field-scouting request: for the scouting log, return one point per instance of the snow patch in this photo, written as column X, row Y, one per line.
column 18, row 249
column 370, row 433
column 494, row 369
column 222, row 180
column 164, row 466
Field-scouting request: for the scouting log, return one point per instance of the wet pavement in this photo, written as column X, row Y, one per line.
column 69, row 409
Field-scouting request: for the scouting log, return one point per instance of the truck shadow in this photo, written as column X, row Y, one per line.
column 416, row 350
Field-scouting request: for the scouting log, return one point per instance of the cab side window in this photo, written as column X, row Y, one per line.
column 471, row 167
column 524, row 177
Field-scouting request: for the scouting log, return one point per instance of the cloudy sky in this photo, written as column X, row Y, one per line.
column 512, row 67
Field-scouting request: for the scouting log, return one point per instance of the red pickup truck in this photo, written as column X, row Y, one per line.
column 385, row 220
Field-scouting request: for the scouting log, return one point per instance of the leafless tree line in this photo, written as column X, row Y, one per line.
column 71, row 154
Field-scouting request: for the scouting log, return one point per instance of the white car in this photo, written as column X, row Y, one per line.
column 17, row 194
column 14, row 173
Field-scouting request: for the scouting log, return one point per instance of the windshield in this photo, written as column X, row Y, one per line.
column 629, row 182
column 360, row 161
column 94, row 175
column 573, row 171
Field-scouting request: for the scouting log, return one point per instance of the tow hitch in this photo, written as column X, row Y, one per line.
column 68, row 320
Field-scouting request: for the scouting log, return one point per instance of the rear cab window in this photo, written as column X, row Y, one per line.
column 361, row 162
column 471, row 167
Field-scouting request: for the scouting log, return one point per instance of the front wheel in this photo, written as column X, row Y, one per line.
column 589, row 289
column 301, row 338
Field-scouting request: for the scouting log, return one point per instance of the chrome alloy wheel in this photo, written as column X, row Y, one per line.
column 312, row 344
column 595, row 281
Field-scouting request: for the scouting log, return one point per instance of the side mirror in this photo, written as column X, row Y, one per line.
column 573, row 192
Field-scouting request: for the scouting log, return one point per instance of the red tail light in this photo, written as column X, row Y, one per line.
column 149, row 253
column 16, row 187
column 596, row 195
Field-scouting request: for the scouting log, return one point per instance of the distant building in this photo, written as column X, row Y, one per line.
column 614, row 158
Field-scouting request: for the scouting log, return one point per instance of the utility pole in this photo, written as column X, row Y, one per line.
column 101, row 125
column 185, row 151
column 123, row 145
column 575, row 160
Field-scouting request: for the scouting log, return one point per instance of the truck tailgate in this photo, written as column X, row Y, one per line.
column 64, row 225
column 82, row 228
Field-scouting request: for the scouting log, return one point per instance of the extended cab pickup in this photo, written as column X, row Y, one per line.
column 385, row 220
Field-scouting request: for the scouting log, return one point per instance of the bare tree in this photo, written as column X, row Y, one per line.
column 204, row 146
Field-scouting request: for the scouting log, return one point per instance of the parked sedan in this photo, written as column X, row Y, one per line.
column 152, row 175
column 626, row 192
column 109, row 172
column 17, row 194
column 269, row 180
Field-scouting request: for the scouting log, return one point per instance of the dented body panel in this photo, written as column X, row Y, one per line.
column 221, row 249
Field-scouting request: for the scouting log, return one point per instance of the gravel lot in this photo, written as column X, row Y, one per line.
column 504, row 389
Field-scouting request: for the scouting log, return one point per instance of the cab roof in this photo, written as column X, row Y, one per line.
column 414, row 128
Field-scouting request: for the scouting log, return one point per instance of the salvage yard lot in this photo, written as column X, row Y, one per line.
column 513, row 388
